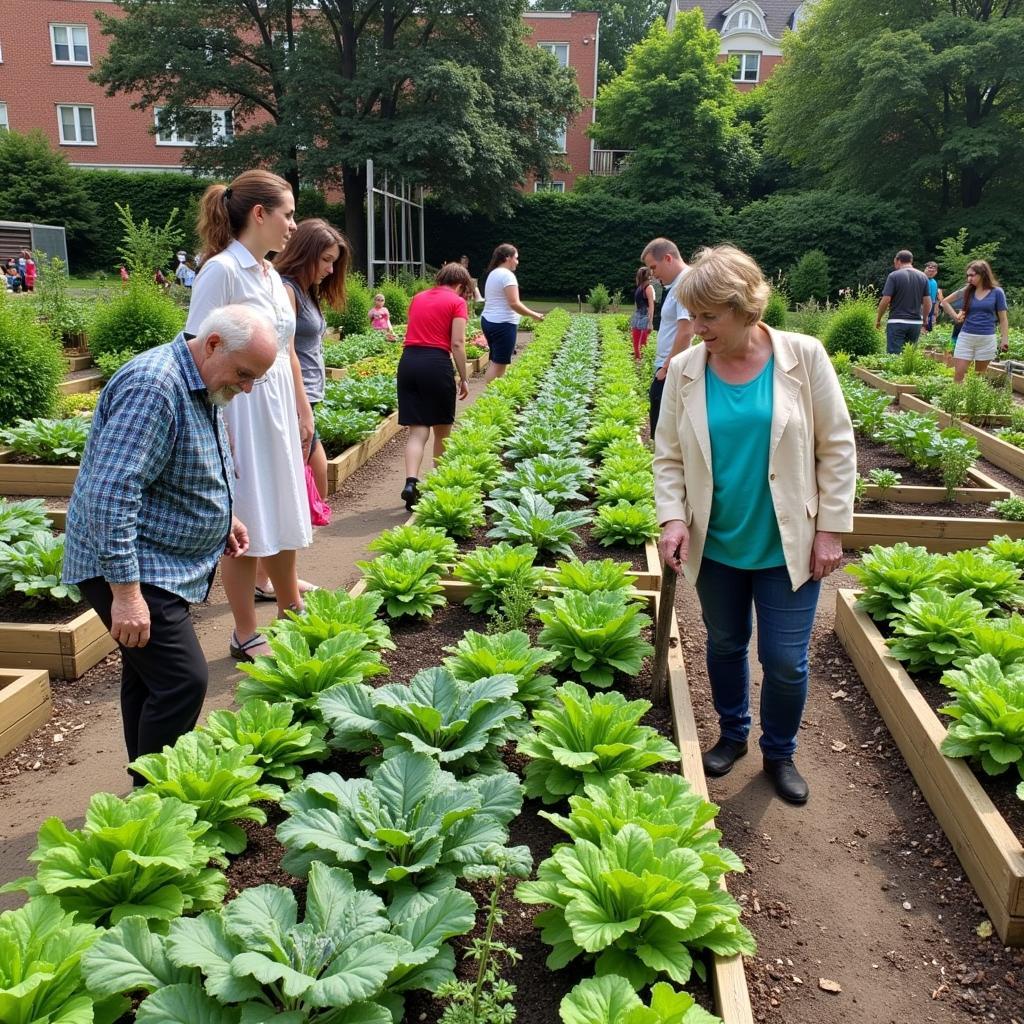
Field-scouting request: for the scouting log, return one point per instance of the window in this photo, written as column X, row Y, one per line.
column 4, row 123
column 549, row 186
column 222, row 127
column 749, row 67
column 70, row 44
column 76, row 126
column 740, row 21
column 559, row 146
column 560, row 51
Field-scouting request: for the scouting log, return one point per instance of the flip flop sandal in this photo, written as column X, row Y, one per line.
column 240, row 651
column 267, row 593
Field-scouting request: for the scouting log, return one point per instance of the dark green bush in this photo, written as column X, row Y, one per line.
column 139, row 318
column 809, row 278
column 775, row 311
column 396, row 301
column 31, row 365
column 852, row 330
column 354, row 318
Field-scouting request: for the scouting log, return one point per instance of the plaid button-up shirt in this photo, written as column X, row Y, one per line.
column 152, row 502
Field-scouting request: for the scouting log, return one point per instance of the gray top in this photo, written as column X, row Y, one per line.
column 906, row 288
column 310, row 328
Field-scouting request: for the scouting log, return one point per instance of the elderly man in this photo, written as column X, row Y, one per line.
column 150, row 515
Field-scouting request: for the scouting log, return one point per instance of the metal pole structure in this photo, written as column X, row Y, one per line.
column 387, row 226
column 371, row 241
column 423, row 238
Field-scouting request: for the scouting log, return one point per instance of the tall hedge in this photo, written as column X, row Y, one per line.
column 31, row 364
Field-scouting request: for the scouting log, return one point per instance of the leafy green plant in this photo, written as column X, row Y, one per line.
column 541, row 437
column 330, row 612
column 462, row 724
column 1009, row 508
column 598, row 298
column 559, row 480
column 994, row 583
column 32, row 568
column 484, row 466
column 55, row 442
column 1003, row 639
column 989, row 715
column 457, row 511
column 588, row 741
column 514, row 609
column 414, row 537
column 627, row 487
column 891, row 576
column 860, row 488
column 31, row 364
column 852, row 329
column 20, row 520
column 588, row 577
column 808, row 278
column 144, row 248
column 595, row 634
column 885, row 480
column 492, row 570
column 455, row 475
column 222, row 784
column 409, row 582
column 533, row 519
column 407, row 831
column 1007, row 549
column 478, row 656
column 139, row 317
column 955, row 455
column 612, row 999
column 110, row 362
column 75, row 405
column 638, row 906
column 144, row 856
column 628, row 523
column 603, row 433
column 298, row 671
column 340, row 428
column 930, row 632
column 352, row 348
column 278, row 744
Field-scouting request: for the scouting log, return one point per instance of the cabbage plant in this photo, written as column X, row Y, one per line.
column 611, row 999
column 330, row 612
column 492, row 570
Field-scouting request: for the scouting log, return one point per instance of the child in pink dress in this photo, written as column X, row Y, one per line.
column 380, row 318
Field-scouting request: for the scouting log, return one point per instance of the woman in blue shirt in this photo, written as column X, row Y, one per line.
column 984, row 304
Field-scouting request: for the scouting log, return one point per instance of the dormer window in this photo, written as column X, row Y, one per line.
column 744, row 21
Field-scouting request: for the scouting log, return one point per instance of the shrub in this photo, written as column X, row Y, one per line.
column 72, row 405
column 852, row 330
column 396, row 300
column 809, row 277
column 110, row 362
column 598, row 298
column 775, row 312
column 354, row 318
column 31, row 365
column 139, row 318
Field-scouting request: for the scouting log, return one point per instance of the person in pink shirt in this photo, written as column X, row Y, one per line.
column 380, row 318
column 30, row 271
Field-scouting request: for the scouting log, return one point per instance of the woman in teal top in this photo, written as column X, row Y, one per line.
column 754, row 479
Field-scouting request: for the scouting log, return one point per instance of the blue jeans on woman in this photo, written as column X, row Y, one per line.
column 784, row 620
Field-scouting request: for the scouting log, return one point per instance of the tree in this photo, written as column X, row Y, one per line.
column 144, row 248
column 954, row 256
column 808, row 277
column 442, row 92
column 921, row 99
column 40, row 186
column 623, row 25
column 674, row 106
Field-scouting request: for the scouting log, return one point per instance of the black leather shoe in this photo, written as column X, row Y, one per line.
column 722, row 756
column 789, row 783
column 410, row 494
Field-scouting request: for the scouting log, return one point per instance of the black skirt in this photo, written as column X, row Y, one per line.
column 426, row 387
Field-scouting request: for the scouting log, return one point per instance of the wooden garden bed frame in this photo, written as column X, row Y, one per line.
column 934, row 533
column 342, row 466
column 66, row 650
column 984, row 489
column 34, row 478
column 881, row 384
column 473, row 366
column 990, row 853
column 92, row 380
column 25, row 704
column 993, row 372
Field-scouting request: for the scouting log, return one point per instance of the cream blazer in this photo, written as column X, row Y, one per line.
column 812, row 462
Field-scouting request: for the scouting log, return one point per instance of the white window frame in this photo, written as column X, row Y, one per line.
column 172, row 138
column 5, row 124
column 740, row 74
column 553, row 49
column 77, row 108
column 562, row 137
column 549, row 186
column 69, row 28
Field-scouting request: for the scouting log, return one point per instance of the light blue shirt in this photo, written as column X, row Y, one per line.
column 671, row 313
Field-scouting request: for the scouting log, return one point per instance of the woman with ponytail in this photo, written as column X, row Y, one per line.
column 272, row 427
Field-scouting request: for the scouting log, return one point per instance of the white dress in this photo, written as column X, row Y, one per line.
column 270, row 485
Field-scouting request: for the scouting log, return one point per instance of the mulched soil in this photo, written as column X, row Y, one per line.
column 871, row 455
column 587, row 549
column 913, row 510
column 13, row 608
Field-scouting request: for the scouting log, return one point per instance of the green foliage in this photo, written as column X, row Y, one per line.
column 515, row 609
column 534, row 520
column 330, row 612
column 278, row 744
column 626, row 522
column 456, row 511
column 461, row 724
column 589, row 741
column 953, row 258
column 809, row 277
column 73, row 405
column 354, row 319
column 492, row 570
column 31, row 365
column 994, row 583
column 559, row 480
column 139, row 317
column 409, row 582
column 1007, row 549
column 64, row 317
column 145, row 249
column 414, row 537
column 354, row 347
column 32, row 568
column 54, row 442
column 144, row 857
column 931, row 631
column 396, row 300
column 1002, row 639
column 775, row 312
column 595, row 574
column 223, row 784
column 598, row 299
column 20, row 520
column 885, row 480
column 852, row 330
column 611, row 999
column 110, row 362
column 604, row 433
column 341, row 428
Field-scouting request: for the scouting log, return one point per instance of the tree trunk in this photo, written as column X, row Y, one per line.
column 971, row 187
column 354, row 183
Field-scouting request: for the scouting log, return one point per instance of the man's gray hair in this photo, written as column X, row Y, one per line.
column 234, row 325
column 904, row 256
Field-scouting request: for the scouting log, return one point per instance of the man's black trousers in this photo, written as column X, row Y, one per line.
column 162, row 684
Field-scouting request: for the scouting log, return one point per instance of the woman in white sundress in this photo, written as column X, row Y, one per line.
column 271, row 427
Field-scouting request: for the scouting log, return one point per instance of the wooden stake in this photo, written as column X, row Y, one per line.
column 662, row 630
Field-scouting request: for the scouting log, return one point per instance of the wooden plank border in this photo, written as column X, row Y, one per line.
column 990, row 853
column 342, row 466
column 934, row 533
column 25, row 704
column 881, row 384
column 986, row 489
column 91, row 381
column 66, row 650
column 35, row 478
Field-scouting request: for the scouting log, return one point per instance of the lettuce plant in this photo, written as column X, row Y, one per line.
column 541, row 437
column 890, row 576
column 462, row 724
column 479, row 655
column 456, row 475
column 639, row 907
column 989, row 716
column 20, row 520
column 492, row 570
column 51, row 441
column 559, row 479
column 595, row 634
column 299, row 673
column 630, row 487
column 142, row 856
column 406, row 831
column 457, row 511
column 341, row 428
column 279, row 745
column 611, row 999
column 330, row 612
column 625, row 522
column 41, row 949
column 484, row 465
column 588, row 741
column 32, row 568
column 588, row 577
column 1001, row 638
column 604, row 432
column 414, row 537
column 1007, row 549
column 533, row 519
column 931, row 632
column 409, row 583
column 474, row 438
column 994, row 583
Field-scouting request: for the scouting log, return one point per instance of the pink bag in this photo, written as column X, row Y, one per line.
column 319, row 510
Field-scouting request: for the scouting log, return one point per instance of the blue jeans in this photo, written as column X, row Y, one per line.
column 784, row 620
column 898, row 335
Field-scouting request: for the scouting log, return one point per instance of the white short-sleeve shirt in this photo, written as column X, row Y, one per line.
column 496, row 307
column 672, row 311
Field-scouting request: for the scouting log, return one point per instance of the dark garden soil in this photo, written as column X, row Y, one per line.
column 913, row 510
column 586, row 548
column 871, row 455
column 52, row 502
column 14, row 608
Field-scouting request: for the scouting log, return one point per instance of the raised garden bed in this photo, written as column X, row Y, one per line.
column 65, row 649
column 993, row 372
column 879, row 383
column 78, row 381
column 34, row 479
column 25, row 704
column 990, row 853
column 342, row 466
column 79, row 362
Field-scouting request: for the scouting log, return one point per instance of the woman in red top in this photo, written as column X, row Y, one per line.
column 435, row 334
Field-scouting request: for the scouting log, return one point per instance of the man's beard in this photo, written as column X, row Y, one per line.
column 222, row 396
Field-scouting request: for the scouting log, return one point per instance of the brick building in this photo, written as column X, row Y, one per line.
column 49, row 49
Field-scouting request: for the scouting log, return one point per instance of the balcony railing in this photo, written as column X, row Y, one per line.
column 609, row 161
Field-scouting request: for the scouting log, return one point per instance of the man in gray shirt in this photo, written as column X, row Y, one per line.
column 907, row 298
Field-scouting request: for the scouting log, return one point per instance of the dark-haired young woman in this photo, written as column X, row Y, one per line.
column 502, row 309
column 984, row 305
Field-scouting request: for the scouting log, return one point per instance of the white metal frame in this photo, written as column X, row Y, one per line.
column 398, row 207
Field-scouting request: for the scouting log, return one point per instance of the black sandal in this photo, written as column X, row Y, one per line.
column 240, row 651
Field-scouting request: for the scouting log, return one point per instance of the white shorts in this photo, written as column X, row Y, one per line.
column 975, row 346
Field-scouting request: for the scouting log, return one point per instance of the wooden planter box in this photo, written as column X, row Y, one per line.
column 65, row 650
column 76, row 363
column 990, row 853
column 90, row 380
column 473, row 366
column 983, row 488
column 342, row 466
column 34, row 478
column 25, row 704
column 931, row 532
column 999, row 453
column 881, row 384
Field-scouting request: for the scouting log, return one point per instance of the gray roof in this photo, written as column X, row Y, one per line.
column 777, row 13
